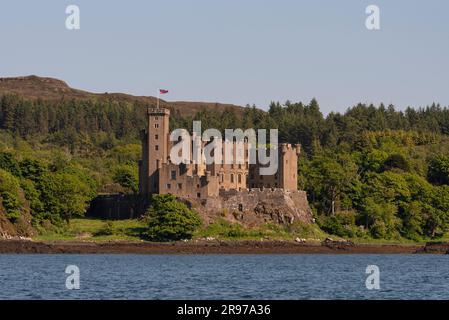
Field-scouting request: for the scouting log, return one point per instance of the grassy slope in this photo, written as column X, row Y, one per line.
column 134, row 230
column 97, row 230
column 101, row 230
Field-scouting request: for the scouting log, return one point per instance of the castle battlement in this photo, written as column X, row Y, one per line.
column 158, row 111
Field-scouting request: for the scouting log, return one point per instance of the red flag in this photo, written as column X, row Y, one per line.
column 163, row 91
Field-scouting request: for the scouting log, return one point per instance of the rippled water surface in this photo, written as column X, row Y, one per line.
column 224, row 276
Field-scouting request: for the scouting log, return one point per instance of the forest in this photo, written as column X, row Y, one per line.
column 370, row 172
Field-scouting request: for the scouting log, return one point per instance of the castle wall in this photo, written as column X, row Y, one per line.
column 285, row 177
column 176, row 180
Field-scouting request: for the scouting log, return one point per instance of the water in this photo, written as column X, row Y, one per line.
column 224, row 276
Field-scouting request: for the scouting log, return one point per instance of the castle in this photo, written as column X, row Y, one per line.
column 158, row 175
column 236, row 192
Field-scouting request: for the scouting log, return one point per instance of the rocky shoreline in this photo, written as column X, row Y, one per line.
column 214, row 247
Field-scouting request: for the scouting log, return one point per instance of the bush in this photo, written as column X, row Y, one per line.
column 106, row 230
column 170, row 220
column 341, row 224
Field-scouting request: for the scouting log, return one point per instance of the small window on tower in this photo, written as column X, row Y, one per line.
column 156, row 137
column 232, row 178
column 156, row 125
column 173, row 174
column 156, row 147
column 179, row 186
column 168, row 185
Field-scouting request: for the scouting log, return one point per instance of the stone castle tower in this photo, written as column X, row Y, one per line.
column 155, row 149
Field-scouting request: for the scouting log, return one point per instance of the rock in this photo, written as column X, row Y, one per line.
column 341, row 244
column 257, row 207
column 84, row 235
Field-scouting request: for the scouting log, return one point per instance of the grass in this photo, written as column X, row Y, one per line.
column 98, row 230
column 134, row 230
column 224, row 230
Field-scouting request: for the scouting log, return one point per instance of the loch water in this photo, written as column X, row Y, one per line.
column 264, row 276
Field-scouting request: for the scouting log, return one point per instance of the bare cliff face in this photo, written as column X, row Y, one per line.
column 34, row 87
column 255, row 207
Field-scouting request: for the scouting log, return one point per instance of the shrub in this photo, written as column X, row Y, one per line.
column 170, row 220
column 341, row 224
column 106, row 230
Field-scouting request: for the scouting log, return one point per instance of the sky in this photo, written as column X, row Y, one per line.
column 236, row 51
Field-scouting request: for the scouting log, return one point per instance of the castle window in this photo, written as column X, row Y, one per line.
column 240, row 207
column 156, row 136
column 240, row 178
column 156, row 125
column 173, row 174
column 179, row 186
column 198, row 195
column 222, row 177
column 156, row 147
column 168, row 186
column 232, row 178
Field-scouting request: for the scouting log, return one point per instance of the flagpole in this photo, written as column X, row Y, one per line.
column 158, row 98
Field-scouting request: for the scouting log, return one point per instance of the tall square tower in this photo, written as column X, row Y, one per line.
column 155, row 149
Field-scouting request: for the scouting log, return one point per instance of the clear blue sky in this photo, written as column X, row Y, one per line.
column 236, row 51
